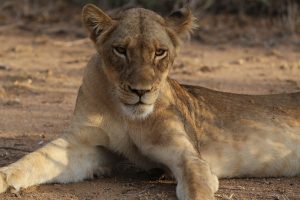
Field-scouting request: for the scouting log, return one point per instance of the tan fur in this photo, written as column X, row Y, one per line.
column 196, row 133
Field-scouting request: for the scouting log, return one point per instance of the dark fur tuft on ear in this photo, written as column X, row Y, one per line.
column 182, row 21
column 95, row 20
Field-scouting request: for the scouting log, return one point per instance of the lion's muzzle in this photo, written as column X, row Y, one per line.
column 139, row 92
column 138, row 103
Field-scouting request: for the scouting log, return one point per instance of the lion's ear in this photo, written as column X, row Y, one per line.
column 95, row 20
column 182, row 21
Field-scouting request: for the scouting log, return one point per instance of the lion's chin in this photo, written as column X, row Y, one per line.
column 137, row 111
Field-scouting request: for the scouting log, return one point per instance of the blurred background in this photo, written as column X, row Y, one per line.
column 245, row 20
column 241, row 46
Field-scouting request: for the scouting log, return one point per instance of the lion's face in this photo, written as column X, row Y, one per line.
column 138, row 48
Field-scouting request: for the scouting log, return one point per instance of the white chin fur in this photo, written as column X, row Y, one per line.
column 137, row 112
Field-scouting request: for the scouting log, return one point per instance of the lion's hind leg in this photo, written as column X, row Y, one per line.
column 60, row 161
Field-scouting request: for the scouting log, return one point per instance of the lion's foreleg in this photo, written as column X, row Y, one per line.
column 62, row 160
column 195, row 180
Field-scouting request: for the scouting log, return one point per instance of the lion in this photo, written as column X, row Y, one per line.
column 127, row 105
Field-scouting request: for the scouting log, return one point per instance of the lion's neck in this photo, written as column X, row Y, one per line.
column 194, row 112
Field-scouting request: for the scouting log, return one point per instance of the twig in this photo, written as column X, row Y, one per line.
column 225, row 196
column 15, row 149
column 232, row 188
column 285, row 197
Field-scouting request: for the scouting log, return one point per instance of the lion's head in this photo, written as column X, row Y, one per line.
column 138, row 48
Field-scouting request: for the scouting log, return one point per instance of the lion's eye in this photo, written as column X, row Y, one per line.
column 160, row 52
column 120, row 51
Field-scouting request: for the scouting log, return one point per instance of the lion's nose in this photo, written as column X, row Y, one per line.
column 138, row 92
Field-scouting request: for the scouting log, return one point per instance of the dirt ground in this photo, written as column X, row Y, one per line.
column 40, row 72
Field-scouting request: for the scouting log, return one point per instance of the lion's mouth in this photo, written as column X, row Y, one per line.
column 136, row 101
column 137, row 107
column 138, row 110
column 139, row 103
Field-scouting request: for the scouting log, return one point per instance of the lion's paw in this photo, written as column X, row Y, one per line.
column 13, row 179
column 3, row 183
